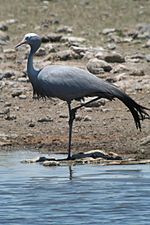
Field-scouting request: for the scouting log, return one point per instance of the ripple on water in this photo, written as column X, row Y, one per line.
column 89, row 194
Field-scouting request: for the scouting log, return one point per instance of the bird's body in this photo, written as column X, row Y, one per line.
column 68, row 83
column 71, row 83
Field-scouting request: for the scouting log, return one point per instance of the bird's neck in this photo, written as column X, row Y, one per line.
column 32, row 72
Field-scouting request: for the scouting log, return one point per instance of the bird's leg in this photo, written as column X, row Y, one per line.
column 93, row 100
column 72, row 113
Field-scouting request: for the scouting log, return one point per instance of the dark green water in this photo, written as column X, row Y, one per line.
column 33, row 194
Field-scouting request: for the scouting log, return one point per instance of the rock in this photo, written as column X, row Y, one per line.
column 62, row 115
column 10, row 54
column 3, row 26
column 87, row 118
column 31, row 124
column 4, row 36
column 7, row 75
column 53, row 37
column 78, row 118
column 11, row 21
column 7, row 104
column 145, row 140
column 143, row 31
column 35, row 160
column 97, row 66
column 147, row 45
column 107, row 31
column 147, row 57
column 10, row 117
column 4, row 112
column 16, row 92
column 79, row 49
column 67, row 55
column 2, row 84
column 1, row 76
column 51, row 47
column 41, row 52
column 119, row 68
column 51, row 163
column 73, row 40
column 4, row 143
column 23, row 79
column 22, row 96
column 121, row 76
column 64, row 29
column 114, row 57
column 45, row 119
column 111, row 46
column 97, row 154
column 137, row 72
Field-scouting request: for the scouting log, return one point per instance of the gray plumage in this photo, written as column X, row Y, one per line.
column 69, row 83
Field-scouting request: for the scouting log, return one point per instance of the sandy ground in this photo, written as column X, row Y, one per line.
column 110, row 127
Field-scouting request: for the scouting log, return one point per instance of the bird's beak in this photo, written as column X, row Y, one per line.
column 21, row 43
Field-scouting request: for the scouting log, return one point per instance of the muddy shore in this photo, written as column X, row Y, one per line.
column 115, row 48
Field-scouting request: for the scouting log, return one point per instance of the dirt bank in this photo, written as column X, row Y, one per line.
column 43, row 124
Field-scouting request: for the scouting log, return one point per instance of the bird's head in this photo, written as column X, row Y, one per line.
column 31, row 39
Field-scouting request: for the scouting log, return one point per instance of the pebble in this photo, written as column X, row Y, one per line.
column 10, row 117
column 87, row 118
column 11, row 21
column 137, row 72
column 41, row 52
column 64, row 29
column 16, row 93
column 147, row 57
column 62, row 115
column 97, row 154
column 3, row 26
column 10, row 54
column 71, row 40
column 143, row 31
column 97, row 66
column 145, row 140
column 51, row 163
column 119, row 68
column 23, row 79
column 31, row 124
column 45, row 119
column 53, row 37
column 67, row 55
column 7, row 75
column 107, row 31
column 111, row 46
column 51, row 47
column 5, row 111
column 7, row 104
column 3, row 37
column 147, row 45
column 78, row 118
column 114, row 57
column 22, row 96
column 79, row 49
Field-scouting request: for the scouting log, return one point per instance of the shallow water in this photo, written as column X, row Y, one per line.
column 89, row 194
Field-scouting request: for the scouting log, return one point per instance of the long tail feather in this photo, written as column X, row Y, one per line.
column 138, row 112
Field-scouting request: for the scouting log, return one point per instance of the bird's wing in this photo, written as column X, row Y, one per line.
column 70, row 83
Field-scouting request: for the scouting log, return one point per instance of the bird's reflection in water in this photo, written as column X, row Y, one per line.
column 70, row 173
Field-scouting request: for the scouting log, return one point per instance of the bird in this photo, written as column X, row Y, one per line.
column 70, row 83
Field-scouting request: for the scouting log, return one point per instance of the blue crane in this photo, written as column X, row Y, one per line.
column 70, row 83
